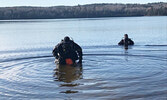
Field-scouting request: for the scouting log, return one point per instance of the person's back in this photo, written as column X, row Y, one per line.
column 126, row 41
column 67, row 52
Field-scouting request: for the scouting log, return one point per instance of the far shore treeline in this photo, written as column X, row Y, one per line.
column 84, row 11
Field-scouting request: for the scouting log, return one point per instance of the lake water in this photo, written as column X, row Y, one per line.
column 109, row 72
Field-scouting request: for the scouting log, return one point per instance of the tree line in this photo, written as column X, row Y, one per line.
column 84, row 11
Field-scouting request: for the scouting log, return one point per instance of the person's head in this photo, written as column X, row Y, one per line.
column 66, row 39
column 125, row 35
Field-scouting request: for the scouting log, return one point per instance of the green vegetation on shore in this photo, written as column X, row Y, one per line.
column 84, row 11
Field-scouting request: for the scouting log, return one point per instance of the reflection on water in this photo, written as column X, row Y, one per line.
column 126, row 54
column 110, row 71
column 67, row 73
column 126, row 47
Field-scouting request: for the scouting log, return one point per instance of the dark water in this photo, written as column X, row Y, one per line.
column 109, row 72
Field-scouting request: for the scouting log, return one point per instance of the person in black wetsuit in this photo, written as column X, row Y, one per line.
column 67, row 52
column 126, row 41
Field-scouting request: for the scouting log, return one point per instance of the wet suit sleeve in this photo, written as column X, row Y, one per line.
column 121, row 42
column 131, row 42
column 55, row 52
column 79, row 51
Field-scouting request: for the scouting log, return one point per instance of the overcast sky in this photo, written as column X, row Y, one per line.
column 4, row 3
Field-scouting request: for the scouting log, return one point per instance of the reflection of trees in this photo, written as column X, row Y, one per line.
column 84, row 11
column 67, row 73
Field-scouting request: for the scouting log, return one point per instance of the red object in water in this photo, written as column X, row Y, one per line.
column 69, row 61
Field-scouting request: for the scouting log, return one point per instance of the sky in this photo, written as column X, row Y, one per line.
column 9, row 3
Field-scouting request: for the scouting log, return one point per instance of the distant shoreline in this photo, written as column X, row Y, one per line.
column 74, row 18
column 83, row 11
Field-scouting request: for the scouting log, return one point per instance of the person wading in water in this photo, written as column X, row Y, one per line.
column 67, row 52
column 126, row 41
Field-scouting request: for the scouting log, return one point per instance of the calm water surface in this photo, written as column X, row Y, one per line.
column 28, row 71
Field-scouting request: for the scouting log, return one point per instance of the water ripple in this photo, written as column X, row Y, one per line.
column 102, row 76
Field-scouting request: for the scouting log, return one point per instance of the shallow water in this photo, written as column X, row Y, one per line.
column 28, row 71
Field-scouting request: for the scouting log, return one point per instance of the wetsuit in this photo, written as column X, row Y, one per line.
column 126, row 42
column 65, row 50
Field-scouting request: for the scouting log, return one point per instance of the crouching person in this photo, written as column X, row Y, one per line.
column 67, row 52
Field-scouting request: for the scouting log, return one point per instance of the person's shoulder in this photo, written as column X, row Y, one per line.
column 60, row 43
column 122, row 40
column 72, row 42
column 131, row 40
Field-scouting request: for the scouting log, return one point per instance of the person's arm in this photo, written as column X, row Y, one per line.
column 55, row 52
column 121, row 42
column 131, row 42
column 79, row 51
